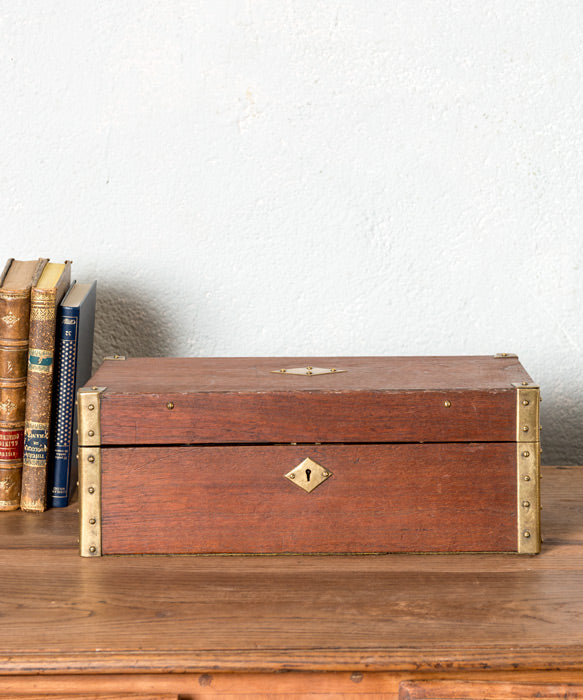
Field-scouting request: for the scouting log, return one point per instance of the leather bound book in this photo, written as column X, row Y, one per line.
column 45, row 298
column 15, row 285
column 73, row 363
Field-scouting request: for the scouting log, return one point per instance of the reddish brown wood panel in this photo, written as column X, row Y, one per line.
column 251, row 374
column 380, row 498
column 413, row 416
column 485, row 690
column 240, row 400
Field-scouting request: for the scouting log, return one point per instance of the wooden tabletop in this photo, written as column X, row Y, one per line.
column 60, row 613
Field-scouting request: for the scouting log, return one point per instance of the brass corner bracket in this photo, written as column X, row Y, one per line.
column 528, row 467
column 89, row 421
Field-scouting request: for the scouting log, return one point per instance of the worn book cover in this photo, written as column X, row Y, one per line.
column 16, row 281
column 45, row 298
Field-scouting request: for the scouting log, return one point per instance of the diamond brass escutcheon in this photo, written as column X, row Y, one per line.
column 308, row 475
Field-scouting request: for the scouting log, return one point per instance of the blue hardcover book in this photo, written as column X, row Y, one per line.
column 75, row 326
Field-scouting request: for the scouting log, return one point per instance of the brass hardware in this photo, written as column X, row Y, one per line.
column 115, row 357
column 504, row 355
column 447, row 404
column 528, row 498
column 308, row 475
column 527, row 412
column 308, row 371
column 528, row 467
column 169, row 405
column 89, row 419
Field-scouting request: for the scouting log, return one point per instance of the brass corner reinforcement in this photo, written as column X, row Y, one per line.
column 528, row 466
column 89, row 421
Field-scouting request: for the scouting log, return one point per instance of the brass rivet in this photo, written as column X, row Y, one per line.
column 282, row 370
column 309, row 367
column 526, row 504
column 91, row 458
column 526, row 533
column 91, row 407
column 169, row 405
column 525, row 428
column 91, row 433
column 526, row 477
column 526, row 453
column 524, row 383
column 525, row 402
column 92, row 521
column 93, row 388
column 292, row 476
column 91, row 489
column 447, row 404
column 325, row 474
column 333, row 369
column 92, row 549
column 540, row 427
column 503, row 354
column 308, row 372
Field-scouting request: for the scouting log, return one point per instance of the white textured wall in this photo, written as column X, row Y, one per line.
column 270, row 177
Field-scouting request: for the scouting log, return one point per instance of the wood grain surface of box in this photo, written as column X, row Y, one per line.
column 309, row 455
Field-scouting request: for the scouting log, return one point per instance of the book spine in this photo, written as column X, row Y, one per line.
column 64, row 404
column 14, row 327
column 38, row 399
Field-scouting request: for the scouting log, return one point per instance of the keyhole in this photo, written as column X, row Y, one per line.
column 308, row 472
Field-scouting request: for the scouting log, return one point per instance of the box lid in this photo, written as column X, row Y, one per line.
column 150, row 401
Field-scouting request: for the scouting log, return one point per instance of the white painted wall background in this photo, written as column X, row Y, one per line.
column 313, row 177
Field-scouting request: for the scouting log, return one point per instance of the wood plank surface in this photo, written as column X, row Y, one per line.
column 493, row 690
column 379, row 498
column 331, row 685
column 400, row 613
column 241, row 400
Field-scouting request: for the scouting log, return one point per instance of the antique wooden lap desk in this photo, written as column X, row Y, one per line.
column 269, row 627
column 309, row 456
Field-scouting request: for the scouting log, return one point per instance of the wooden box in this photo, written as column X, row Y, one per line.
column 309, row 455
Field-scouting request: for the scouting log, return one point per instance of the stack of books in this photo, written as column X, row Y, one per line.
column 46, row 349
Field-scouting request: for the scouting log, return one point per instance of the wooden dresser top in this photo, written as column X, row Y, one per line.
column 61, row 613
